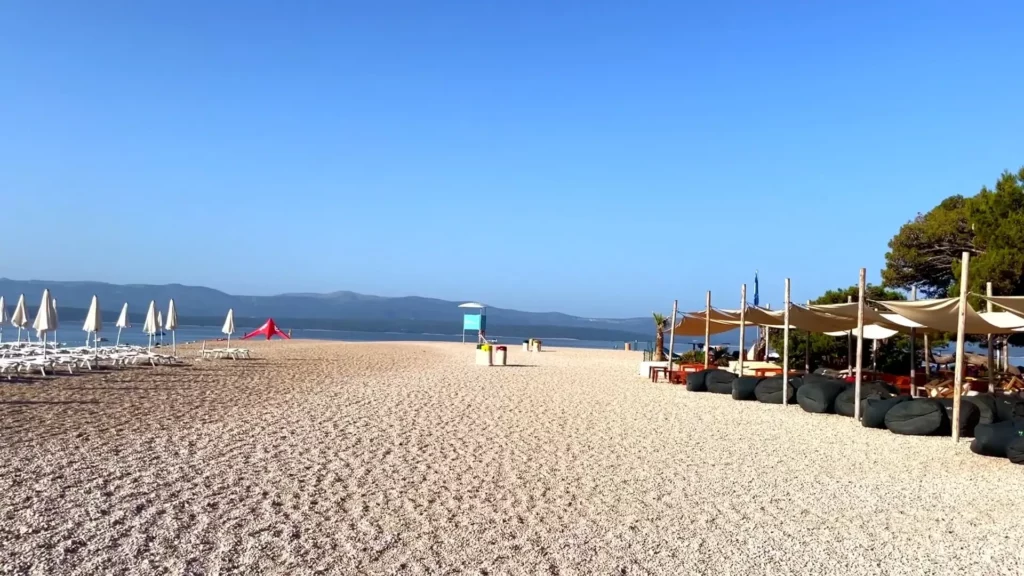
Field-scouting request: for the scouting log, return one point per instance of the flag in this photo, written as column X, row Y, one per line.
column 757, row 299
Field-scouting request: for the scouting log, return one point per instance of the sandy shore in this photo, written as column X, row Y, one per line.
column 332, row 458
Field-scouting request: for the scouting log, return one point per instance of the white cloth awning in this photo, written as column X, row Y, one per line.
column 871, row 332
column 942, row 315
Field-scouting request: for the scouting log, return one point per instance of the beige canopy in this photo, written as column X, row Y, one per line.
column 871, row 332
column 690, row 325
column 1013, row 304
column 941, row 314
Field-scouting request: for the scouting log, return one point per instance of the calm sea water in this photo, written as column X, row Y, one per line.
column 72, row 336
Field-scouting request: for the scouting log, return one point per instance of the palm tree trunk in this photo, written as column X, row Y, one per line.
column 659, row 346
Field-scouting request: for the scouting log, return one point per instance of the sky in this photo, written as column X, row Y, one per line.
column 596, row 158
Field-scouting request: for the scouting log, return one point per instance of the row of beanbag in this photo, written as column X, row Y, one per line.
column 997, row 423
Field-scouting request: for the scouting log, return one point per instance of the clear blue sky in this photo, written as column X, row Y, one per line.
column 598, row 158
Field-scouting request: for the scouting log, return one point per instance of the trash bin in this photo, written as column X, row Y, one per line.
column 500, row 356
column 627, row 346
column 484, row 355
column 536, row 345
column 526, row 345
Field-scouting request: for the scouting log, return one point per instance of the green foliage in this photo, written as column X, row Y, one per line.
column 691, row 357
column 926, row 252
column 660, row 323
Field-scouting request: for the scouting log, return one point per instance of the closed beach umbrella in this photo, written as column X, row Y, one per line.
column 20, row 316
column 150, row 326
column 3, row 318
column 93, row 322
column 160, row 325
column 45, row 321
column 172, row 325
column 53, row 304
column 229, row 325
column 122, row 323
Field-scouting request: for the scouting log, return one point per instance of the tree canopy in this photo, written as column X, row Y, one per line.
column 926, row 252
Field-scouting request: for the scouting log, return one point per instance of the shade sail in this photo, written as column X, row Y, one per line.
column 716, row 315
column 941, row 314
column 871, row 332
column 886, row 320
column 1004, row 320
column 1012, row 304
column 692, row 326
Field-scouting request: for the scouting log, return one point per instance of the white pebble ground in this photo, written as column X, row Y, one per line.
column 334, row 458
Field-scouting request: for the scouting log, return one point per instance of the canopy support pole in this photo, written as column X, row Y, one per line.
column 849, row 345
column 672, row 333
column 991, row 359
column 743, row 324
column 860, row 344
column 913, row 352
column 961, row 326
column 785, row 345
column 807, row 351
column 707, row 331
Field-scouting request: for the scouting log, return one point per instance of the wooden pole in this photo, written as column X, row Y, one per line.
column 785, row 346
column 991, row 352
column 707, row 331
column 672, row 333
column 860, row 343
column 961, row 325
column 849, row 346
column 743, row 322
column 807, row 351
column 913, row 353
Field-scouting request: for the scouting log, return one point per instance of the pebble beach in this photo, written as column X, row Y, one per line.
column 406, row 458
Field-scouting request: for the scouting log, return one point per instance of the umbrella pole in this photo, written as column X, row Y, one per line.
column 118, row 343
column 174, row 345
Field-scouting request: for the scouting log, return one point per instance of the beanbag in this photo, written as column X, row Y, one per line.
column 818, row 394
column 873, row 410
column 969, row 415
column 719, row 381
column 918, row 417
column 995, row 439
column 743, row 387
column 868, row 390
column 1009, row 408
column 1015, row 451
column 695, row 381
column 986, row 407
column 769, row 390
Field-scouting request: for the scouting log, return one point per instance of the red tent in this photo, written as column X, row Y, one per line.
column 268, row 329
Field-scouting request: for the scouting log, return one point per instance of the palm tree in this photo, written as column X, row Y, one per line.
column 660, row 323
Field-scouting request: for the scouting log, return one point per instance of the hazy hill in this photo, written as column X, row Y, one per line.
column 341, row 310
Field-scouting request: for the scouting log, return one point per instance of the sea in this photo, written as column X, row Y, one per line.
column 186, row 334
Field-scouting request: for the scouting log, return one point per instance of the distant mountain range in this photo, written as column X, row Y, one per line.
column 337, row 310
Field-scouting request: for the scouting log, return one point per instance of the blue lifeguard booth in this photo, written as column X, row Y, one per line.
column 475, row 321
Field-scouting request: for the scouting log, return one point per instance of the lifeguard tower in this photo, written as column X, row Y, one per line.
column 475, row 321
